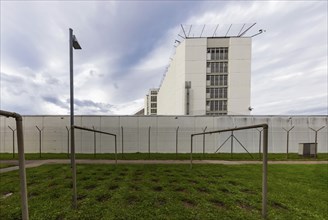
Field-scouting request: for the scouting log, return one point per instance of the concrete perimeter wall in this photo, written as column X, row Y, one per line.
column 54, row 137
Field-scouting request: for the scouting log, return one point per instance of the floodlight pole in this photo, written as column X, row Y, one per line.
column 73, row 43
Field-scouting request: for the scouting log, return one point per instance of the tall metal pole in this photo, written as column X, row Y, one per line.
column 73, row 165
column 265, row 172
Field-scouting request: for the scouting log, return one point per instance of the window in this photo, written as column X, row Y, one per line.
column 222, row 105
column 153, row 98
column 221, row 93
column 217, row 67
column 153, row 111
column 154, row 105
column 153, row 92
column 219, row 53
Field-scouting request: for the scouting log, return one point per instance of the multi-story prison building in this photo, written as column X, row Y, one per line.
column 208, row 76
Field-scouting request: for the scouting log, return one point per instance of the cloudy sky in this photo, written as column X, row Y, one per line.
column 126, row 46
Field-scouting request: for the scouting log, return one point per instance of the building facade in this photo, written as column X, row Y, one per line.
column 151, row 102
column 208, row 76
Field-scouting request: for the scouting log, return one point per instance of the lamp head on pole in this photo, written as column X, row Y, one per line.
column 76, row 44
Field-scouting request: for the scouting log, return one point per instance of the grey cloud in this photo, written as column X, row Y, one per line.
column 56, row 101
column 92, row 107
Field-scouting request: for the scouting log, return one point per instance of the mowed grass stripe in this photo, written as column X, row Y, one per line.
column 168, row 192
column 165, row 156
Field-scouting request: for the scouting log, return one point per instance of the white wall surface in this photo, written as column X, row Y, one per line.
column 163, row 133
column 239, row 77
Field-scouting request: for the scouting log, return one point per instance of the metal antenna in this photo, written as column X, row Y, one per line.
column 215, row 30
column 181, row 36
column 202, row 31
column 228, row 30
column 240, row 35
column 189, row 30
column 241, row 30
column 183, row 31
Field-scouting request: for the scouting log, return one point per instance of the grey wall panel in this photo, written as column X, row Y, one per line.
column 163, row 130
column 110, row 125
column 131, row 133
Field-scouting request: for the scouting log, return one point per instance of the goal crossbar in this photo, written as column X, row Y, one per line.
column 265, row 158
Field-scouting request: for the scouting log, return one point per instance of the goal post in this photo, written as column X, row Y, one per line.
column 265, row 158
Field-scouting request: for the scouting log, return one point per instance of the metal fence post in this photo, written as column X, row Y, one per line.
column 231, row 144
column 191, row 151
column 149, row 142
column 94, row 143
column 316, row 140
column 204, row 141
column 176, row 141
column 13, row 130
column 115, row 150
column 40, row 143
column 67, row 141
column 287, row 148
column 122, row 143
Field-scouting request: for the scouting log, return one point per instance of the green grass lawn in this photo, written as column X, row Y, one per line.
column 168, row 192
column 164, row 156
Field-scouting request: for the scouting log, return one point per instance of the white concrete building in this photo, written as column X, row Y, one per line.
column 151, row 102
column 208, row 76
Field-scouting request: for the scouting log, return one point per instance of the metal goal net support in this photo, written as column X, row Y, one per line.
column 264, row 159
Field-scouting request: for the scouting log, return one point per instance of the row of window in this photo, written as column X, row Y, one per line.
column 217, row 67
column 221, row 93
column 217, row 80
column 220, row 53
column 216, row 105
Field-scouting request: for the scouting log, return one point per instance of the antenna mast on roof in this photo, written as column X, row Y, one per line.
column 241, row 29
column 228, row 30
column 202, row 31
column 215, row 30
column 189, row 30
column 240, row 35
column 183, row 31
